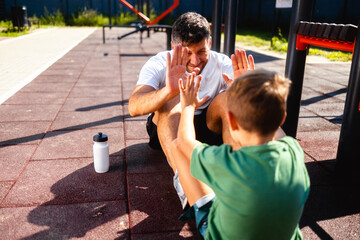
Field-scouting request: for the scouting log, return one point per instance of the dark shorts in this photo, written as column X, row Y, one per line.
column 201, row 216
column 203, row 133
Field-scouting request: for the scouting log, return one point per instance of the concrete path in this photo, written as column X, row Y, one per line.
column 24, row 58
column 48, row 186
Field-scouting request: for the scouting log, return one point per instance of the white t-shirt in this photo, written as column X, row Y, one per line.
column 154, row 70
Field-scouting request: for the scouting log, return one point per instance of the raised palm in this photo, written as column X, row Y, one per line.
column 174, row 74
column 241, row 64
column 176, row 68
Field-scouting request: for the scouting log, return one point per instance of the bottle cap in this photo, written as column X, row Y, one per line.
column 100, row 137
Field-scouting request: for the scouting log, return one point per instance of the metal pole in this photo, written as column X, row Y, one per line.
column 295, row 65
column 230, row 27
column 216, row 25
column 168, row 38
column 347, row 160
column 148, row 15
column 103, row 30
column 109, row 3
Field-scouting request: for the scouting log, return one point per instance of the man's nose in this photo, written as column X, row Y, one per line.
column 194, row 59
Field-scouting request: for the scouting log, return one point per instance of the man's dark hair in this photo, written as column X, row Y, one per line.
column 190, row 28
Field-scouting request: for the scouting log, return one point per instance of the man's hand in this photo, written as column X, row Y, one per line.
column 241, row 64
column 189, row 92
column 176, row 68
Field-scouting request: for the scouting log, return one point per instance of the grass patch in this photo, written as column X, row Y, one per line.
column 251, row 38
column 7, row 30
column 332, row 55
column 279, row 44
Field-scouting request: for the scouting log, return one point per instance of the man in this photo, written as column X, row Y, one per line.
column 157, row 90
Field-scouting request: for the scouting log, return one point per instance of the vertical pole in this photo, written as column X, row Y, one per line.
column 148, row 15
column 347, row 160
column 274, row 26
column 168, row 38
column 216, row 25
column 230, row 27
column 103, row 30
column 67, row 11
column 295, row 65
column 137, row 7
column 109, row 3
column 116, row 12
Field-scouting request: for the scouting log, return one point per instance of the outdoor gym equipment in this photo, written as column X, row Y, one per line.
column 335, row 36
column 140, row 26
column 230, row 25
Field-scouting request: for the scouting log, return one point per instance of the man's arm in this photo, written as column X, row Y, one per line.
column 145, row 99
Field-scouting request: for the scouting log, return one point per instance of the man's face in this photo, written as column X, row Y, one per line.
column 198, row 55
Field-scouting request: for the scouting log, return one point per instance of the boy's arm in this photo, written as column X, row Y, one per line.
column 186, row 132
column 189, row 102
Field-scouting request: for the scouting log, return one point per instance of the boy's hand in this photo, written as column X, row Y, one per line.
column 176, row 68
column 189, row 92
column 241, row 64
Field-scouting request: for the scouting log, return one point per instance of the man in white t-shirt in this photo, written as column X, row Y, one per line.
column 157, row 89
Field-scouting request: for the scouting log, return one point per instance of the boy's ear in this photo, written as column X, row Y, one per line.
column 283, row 120
column 210, row 42
column 232, row 122
column 172, row 45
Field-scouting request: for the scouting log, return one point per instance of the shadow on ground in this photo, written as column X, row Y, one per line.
column 330, row 197
column 85, row 201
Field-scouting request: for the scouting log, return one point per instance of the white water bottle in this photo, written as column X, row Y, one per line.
column 101, row 153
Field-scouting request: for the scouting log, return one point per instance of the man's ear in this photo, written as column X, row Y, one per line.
column 232, row 121
column 209, row 42
column 172, row 45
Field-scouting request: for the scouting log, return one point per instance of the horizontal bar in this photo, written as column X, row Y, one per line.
column 303, row 41
column 147, row 20
column 175, row 5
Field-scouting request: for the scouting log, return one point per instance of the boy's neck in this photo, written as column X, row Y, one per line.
column 245, row 138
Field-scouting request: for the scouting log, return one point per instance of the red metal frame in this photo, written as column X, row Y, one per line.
column 147, row 19
column 302, row 43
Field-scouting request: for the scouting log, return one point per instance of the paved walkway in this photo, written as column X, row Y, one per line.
column 24, row 58
column 48, row 187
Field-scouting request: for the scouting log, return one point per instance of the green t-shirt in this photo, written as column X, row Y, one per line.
column 260, row 190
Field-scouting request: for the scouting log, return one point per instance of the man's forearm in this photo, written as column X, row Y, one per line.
column 141, row 103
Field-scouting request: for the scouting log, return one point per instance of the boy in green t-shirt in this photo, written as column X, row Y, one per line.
column 261, row 184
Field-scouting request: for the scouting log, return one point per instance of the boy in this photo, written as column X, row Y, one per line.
column 261, row 184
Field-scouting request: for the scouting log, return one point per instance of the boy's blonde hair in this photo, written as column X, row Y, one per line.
column 257, row 99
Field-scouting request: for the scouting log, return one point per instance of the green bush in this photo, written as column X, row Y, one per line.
column 6, row 24
column 55, row 18
column 279, row 43
column 85, row 17
column 89, row 17
column 125, row 19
